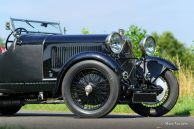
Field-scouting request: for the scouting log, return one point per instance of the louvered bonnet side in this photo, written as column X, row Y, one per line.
column 62, row 53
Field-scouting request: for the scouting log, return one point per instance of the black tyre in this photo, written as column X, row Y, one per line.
column 9, row 110
column 166, row 100
column 90, row 89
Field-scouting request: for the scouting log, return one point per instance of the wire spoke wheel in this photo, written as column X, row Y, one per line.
column 166, row 100
column 90, row 89
column 162, row 97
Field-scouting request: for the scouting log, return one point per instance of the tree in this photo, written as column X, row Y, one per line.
column 1, row 42
column 136, row 34
column 170, row 47
column 85, row 31
column 192, row 48
column 167, row 46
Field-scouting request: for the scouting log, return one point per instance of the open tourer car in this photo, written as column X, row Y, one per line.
column 91, row 74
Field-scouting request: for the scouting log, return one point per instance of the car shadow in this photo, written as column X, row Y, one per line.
column 39, row 114
column 122, row 116
column 70, row 115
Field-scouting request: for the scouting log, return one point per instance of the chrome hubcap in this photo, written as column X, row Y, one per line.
column 88, row 89
column 162, row 96
column 161, row 82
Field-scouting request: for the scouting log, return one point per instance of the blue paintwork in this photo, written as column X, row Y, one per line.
column 107, row 60
column 56, row 39
column 98, row 56
column 163, row 62
column 100, row 38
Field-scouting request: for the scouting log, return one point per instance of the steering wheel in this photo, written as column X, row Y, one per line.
column 17, row 31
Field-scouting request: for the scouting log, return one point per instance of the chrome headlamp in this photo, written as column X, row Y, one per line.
column 148, row 45
column 115, row 42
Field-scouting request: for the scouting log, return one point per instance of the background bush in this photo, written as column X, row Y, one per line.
column 1, row 42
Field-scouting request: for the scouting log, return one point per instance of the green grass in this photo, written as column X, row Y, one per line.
column 122, row 109
column 184, row 107
column 47, row 107
column 63, row 108
column 11, row 127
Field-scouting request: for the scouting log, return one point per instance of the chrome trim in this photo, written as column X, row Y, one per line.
column 143, row 41
column 49, row 79
column 36, row 21
column 121, row 32
column 108, row 41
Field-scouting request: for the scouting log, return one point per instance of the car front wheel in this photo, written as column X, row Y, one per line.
column 165, row 100
column 90, row 89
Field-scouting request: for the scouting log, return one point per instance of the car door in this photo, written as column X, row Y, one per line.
column 22, row 63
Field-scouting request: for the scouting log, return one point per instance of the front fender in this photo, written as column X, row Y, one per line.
column 163, row 62
column 157, row 66
column 98, row 56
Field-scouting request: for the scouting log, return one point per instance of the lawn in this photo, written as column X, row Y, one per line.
column 184, row 107
column 11, row 127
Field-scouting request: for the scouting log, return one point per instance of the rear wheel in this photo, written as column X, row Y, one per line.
column 90, row 89
column 165, row 100
column 9, row 110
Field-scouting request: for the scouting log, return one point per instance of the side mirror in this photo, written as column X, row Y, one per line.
column 7, row 26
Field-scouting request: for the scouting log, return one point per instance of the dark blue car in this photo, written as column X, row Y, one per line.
column 91, row 74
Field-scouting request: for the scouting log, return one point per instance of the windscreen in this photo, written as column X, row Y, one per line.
column 37, row 26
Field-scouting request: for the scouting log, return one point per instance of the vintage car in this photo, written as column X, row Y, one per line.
column 91, row 74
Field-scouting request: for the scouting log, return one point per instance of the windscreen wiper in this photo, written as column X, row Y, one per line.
column 29, row 24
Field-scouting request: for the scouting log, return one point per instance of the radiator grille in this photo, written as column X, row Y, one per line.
column 60, row 54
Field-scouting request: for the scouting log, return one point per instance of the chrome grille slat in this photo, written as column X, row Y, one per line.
column 60, row 54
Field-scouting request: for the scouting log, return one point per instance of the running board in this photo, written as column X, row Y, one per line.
column 5, row 103
column 144, row 97
column 27, row 87
column 44, row 102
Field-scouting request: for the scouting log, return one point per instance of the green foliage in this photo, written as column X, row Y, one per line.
column 1, row 42
column 85, row 31
column 136, row 34
column 192, row 48
column 169, row 46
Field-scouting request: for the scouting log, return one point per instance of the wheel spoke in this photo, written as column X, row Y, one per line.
column 97, row 85
column 162, row 97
